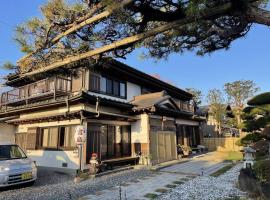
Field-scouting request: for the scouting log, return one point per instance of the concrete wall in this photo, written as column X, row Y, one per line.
column 7, row 133
column 221, row 144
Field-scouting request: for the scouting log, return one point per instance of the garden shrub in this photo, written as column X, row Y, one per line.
column 253, row 137
column 262, row 170
column 260, row 99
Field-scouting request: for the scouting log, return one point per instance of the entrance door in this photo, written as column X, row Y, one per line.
column 93, row 141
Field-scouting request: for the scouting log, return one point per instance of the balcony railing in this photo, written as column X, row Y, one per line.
column 46, row 88
column 185, row 106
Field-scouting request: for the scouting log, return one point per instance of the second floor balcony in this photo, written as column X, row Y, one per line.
column 40, row 90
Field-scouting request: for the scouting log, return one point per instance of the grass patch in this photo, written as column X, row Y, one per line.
column 223, row 170
column 161, row 190
column 151, row 196
column 178, row 182
column 170, row 186
column 234, row 156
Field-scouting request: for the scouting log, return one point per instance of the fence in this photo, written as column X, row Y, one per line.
column 221, row 144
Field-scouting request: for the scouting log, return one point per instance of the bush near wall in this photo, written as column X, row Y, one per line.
column 250, row 138
column 262, row 170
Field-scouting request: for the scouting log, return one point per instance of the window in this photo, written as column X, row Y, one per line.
column 58, row 137
column 116, row 88
column 50, row 137
column 107, row 86
column 122, row 90
column 109, row 89
column 11, row 152
column 94, row 82
column 103, row 83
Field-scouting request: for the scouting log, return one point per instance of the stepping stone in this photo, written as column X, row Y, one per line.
column 171, row 186
column 151, row 195
column 161, row 190
column 178, row 182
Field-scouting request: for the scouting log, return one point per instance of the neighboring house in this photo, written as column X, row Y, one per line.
column 126, row 113
column 210, row 126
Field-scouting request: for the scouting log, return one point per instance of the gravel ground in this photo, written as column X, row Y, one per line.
column 207, row 187
column 58, row 186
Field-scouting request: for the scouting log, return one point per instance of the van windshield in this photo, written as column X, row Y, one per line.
column 10, row 152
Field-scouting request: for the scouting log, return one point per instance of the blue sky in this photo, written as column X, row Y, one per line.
column 248, row 58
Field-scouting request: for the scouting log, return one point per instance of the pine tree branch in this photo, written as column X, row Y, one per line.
column 204, row 15
column 75, row 27
column 258, row 15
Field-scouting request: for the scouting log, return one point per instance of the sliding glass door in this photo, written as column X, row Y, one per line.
column 109, row 141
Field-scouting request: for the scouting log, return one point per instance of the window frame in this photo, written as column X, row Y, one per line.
column 112, row 80
column 58, row 147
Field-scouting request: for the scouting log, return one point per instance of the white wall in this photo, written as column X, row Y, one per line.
column 132, row 90
column 140, row 130
column 7, row 133
column 55, row 158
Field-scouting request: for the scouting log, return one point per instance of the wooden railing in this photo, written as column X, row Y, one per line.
column 53, row 86
column 185, row 106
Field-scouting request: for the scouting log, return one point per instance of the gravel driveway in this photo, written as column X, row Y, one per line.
column 54, row 185
column 207, row 187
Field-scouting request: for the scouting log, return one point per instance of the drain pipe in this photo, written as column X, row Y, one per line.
column 97, row 107
column 67, row 106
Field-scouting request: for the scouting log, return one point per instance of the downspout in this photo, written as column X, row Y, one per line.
column 97, row 108
column 81, row 117
column 67, row 106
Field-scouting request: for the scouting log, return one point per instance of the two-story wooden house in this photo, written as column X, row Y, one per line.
column 126, row 113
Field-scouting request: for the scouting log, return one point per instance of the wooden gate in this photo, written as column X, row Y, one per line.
column 162, row 146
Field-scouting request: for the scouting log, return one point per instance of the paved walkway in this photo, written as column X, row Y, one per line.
column 163, row 180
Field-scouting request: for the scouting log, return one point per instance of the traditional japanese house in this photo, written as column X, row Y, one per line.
column 126, row 113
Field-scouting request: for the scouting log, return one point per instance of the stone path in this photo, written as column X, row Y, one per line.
column 162, row 181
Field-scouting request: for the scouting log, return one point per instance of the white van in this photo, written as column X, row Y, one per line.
column 15, row 167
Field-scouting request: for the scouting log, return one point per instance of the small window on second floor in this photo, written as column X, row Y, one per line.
column 109, row 89
column 116, row 88
column 103, row 84
column 122, row 90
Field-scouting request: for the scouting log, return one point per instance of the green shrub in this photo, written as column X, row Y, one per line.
column 262, row 170
column 260, row 99
column 253, row 137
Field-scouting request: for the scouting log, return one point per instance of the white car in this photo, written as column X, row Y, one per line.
column 15, row 167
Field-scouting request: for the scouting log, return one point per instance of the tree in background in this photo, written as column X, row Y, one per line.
column 238, row 93
column 196, row 96
column 217, row 107
column 72, row 31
